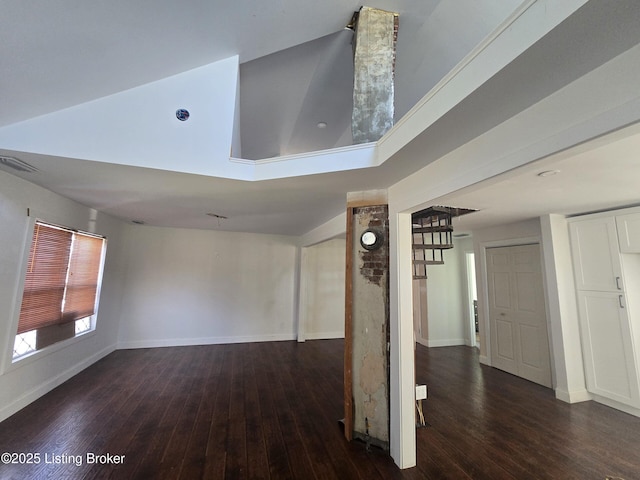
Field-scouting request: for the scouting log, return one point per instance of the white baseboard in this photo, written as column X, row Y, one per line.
column 440, row 343
column 446, row 343
column 187, row 342
column 617, row 405
column 575, row 396
column 324, row 335
column 484, row 360
column 44, row 388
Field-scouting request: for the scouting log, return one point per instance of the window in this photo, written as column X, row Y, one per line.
column 61, row 287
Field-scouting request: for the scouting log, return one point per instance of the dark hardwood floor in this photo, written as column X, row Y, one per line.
column 270, row 410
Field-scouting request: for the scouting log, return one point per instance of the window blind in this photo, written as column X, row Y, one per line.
column 62, row 277
column 82, row 282
column 45, row 279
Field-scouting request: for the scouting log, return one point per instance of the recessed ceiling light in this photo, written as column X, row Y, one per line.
column 182, row 114
column 548, row 173
column 322, row 124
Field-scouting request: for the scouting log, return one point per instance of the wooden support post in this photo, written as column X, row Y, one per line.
column 348, row 331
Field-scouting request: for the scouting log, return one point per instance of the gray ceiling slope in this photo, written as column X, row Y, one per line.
column 283, row 96
column 53, row 69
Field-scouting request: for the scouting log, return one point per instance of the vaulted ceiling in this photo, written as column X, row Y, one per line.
column 295, row 71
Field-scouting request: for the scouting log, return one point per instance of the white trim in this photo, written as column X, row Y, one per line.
column 304, row 155
column 44, row 388
column 484, row 360
column 468, row 256
column 573, row 397
column 334, row 228
column 325, row 335
column 184, row 342
column 617, row 405
column 532, row 20
column 402, row 354
column 302, row 297
column 7, row 361
column 508, row 242
column 36, row 355
column 295, row 308
column 460, row 67
column 455, row 342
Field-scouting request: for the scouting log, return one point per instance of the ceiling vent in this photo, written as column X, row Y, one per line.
column 16, row 164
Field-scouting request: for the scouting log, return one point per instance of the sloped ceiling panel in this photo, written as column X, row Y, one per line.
column 285, row 95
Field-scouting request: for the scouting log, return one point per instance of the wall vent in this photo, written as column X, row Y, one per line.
column 16, row 164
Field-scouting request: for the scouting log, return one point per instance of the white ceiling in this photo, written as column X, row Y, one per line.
column 600, row 175
column 61, row 53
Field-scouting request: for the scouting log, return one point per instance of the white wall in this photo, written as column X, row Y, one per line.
column 464, row 246
column 322, row 290
column 32, row 377
column 189, row 287
column 445, row 301
column 569, row 379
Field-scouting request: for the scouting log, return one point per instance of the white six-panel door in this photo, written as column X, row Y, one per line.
column 518, row 322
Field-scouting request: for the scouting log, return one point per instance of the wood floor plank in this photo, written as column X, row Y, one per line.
column 216, row 455
column 271, row 411
column 295, row 444
column 277, row 455
column 257, row 458
column 147, row 424
column 194, row 463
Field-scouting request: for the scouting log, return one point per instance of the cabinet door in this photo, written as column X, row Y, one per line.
column 629, row 232
column 596, row 260
column 610, row 365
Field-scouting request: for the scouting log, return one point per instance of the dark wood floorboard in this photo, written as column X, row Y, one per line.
column 271, row 411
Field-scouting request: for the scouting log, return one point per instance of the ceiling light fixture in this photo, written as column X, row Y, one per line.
column 548, row 173
column 215, row 215
column 322, row 124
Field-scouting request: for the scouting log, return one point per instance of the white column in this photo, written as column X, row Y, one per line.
column 403, row 421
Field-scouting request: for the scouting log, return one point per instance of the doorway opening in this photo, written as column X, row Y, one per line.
column 472, row 300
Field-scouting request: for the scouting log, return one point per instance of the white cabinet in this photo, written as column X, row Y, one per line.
column 596, row 259
column 610, row 363
column 629, row 232
column 607, row 321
